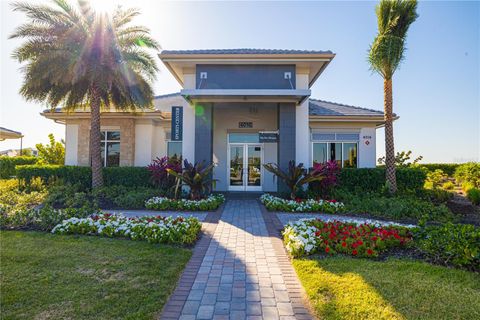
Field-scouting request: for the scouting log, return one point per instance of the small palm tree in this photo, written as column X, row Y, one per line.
column 386, row 54
column 197, row 176
column 77, row 58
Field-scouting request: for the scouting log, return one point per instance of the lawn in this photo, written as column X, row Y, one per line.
column 45, row 276
column 349, row 288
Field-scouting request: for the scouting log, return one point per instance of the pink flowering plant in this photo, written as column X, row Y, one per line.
column 158, row 229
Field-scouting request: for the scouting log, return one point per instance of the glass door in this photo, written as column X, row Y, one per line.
column 245, row 167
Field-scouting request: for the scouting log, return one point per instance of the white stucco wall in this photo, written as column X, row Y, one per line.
column 367, row 148
column 159, row 144
column 71, row 144
column 143, row 143
column 226, row 117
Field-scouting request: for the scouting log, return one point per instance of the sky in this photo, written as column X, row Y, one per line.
column 436, row 91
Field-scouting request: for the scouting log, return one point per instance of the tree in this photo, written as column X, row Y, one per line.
column 402, row 159
column 77, row 58
column 385, row 56
column 53, row 153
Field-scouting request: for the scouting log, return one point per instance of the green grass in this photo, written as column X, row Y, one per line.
column 45, row 276
column 348, row 288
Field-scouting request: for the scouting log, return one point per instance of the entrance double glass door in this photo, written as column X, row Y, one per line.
column 245, row 167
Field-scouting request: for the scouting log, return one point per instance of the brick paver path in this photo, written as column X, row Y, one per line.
column 244, row 273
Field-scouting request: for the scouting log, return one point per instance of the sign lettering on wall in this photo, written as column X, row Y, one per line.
column 268, row 137
column 245, row 124
column 177, row 124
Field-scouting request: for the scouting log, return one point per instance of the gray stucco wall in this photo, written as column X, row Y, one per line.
column 286, row 148
column 204, row 132
column 226, row 117
column 245, row 77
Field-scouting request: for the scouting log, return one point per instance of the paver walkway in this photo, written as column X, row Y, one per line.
column 242, row 275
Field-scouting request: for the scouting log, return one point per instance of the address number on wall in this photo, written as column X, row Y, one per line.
column 245, row 124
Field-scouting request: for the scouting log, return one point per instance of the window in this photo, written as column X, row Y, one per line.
column 111, row 143
column 174, row 149
column 344, row 153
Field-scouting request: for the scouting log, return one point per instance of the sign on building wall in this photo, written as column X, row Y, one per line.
column 177, row 124
column 245, row 124
column 268, row 137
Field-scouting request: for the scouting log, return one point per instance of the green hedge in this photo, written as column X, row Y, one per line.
column 447, row 168
column 7, row 164
column 373, row 179
column 126, row 176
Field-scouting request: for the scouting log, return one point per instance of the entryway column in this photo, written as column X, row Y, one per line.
column 204, row 132
column 286, row 137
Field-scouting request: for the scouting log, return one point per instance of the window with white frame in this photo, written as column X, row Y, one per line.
column 110, row 148
column 339, row 147
column 174, row 148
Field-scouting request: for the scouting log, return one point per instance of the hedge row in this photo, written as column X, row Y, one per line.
column 7, row 164
column 447, row 168
column 373, row 179
column 125, row 176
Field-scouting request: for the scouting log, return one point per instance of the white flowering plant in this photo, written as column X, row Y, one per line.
column 212, row 202
column 273, row 203
column 179, row 230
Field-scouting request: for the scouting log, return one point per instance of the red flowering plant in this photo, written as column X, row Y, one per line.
column 159, row 171
column 308, row 236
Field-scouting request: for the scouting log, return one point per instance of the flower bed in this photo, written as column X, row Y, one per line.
column 273, row 203
column 308, row 236
column 163, row 203
column 152, row 229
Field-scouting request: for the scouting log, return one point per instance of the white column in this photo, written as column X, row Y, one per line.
column 71, row 144
column 143, row 144
column 367, row 148
column 302, row 131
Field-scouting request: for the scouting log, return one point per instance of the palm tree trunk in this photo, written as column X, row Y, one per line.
column 95, row 140
column 389, row 142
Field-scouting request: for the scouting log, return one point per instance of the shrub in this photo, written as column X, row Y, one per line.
column 7, row 164
column 401, row 207
column 373, row 179
column 447, row 168
column 449, row 185
column 197, row 177
column 163, row 203
column 53, row 153
column 308, row 236
column 296, row 176
column 330, row 172
column 159, row 171
column 152, row 229
column 468, row 173
column 127, row 176
column 278, row 204
column 474, row 196
column 435, row 179
column 451, row 244
column 402, row 159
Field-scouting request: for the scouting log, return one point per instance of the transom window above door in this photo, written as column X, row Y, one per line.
column 243, row 138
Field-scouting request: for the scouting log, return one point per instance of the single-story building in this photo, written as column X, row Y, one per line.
column 239, row 108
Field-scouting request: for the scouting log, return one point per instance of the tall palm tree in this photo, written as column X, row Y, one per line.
column 386, row 54
column 78, row 58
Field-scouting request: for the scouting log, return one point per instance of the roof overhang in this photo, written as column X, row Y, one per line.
column 61, row 116
column 9, row 134
column 378, row 120
column 244, row 95
column 313, row 63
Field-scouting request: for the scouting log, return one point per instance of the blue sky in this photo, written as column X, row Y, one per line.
column 436, row 90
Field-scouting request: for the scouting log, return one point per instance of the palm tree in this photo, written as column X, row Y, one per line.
column 386, row 54
column 78, row 58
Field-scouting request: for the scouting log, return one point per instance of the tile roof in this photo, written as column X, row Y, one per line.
column 327, row 108
column 246, row 51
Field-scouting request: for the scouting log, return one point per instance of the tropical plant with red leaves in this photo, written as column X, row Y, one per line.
column 330, row 171
column 159, row 171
